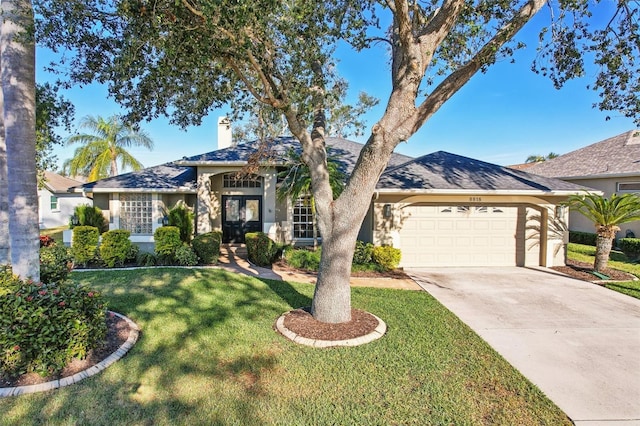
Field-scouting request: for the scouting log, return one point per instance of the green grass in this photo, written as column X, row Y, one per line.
column 617, row 260
column 208, row 354
column 55, row 233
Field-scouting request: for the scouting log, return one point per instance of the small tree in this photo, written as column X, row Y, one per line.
column 296, row 182
column 606, row 214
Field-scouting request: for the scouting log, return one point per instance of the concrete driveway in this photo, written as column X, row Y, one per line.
column 578, row 342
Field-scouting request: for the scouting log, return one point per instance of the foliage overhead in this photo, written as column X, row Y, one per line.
column 538, row 158
column 52, row 112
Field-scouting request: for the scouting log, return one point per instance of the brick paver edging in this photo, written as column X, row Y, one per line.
column 296, row 338
column 66, row 381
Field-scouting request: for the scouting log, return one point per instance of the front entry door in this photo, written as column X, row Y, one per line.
column 240, row 214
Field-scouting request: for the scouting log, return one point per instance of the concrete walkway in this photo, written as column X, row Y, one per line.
column 577, row 341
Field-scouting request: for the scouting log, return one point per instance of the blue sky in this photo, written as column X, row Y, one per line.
column 501, row 117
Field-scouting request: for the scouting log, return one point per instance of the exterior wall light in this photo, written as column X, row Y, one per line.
column 386, row 211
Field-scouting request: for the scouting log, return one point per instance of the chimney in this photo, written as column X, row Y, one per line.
column 224, row 133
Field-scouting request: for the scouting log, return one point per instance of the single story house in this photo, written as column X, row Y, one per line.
column 440, row 209
column 611, row 166
column 55, row 203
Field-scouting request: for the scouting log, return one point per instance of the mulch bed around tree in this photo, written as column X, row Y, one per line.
column 303, row 324
column 396, row 273
column 117, row 335
column 583, row 271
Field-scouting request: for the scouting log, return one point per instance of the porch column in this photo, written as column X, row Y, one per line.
column 544, row 236
column 204, row 204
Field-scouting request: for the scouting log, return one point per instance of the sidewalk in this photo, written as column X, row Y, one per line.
column 233, row 258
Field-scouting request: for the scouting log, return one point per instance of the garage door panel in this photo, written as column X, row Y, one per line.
column 442, row 236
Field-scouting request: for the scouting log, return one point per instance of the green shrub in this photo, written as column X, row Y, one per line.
column 630, row 247
column 586, row 238
column 55, row 263
column 305, row 259
column 261, row 249
column 185, row 256
column 90, row 216
column 387, row 257
column 132, row 254
column 207, row 246
column 181, row 216
column 44, row 326
column 167, row 241
column 84, row 247
column 363, row 252
column 115, row 247
column 147, row 259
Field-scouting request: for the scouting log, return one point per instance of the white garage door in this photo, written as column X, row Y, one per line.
column 458, row 236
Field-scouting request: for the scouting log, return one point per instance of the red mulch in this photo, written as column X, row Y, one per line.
column 303, row 324
column 117, row 334
column 582, row 271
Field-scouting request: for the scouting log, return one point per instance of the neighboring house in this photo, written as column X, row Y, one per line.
column 440, row 210
column 611, row 166
column 55, row 203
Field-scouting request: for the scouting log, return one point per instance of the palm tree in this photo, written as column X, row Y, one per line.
column 296, row 182
column 17, row 47
column 540, row 158
column 99, row 156
column 606, row 215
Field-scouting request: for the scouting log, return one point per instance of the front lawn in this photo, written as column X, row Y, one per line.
column 617, row 260
column 208, row 354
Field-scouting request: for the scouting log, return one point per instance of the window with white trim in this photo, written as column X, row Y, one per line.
column 136, row 213
column 302, row 218
column 54, row 203
column 628, row 187
column 232, row 180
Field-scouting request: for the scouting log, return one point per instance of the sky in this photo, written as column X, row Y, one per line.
column 501, row 117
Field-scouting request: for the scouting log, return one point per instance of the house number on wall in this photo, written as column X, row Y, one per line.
column 475, row 199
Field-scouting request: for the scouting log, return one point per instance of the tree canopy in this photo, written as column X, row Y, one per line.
column 52, row 111
column 183, row 58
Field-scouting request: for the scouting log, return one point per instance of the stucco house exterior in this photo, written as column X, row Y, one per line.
column 440, row 209
column 611, row 166
column 55, row 203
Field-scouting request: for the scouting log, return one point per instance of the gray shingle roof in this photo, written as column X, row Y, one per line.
column 165, row 177
column 444, row 171
column 617, row 155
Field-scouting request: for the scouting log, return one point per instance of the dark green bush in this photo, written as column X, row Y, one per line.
column 630, row 247
column 363, row 252
column 44, row 326
column 305, row 259
column 115, row 247
column 182, row 217
column 55, row 263
column 84, row 247
column 207, row 246
column 387, row 257
column 132, row 254
column 90, row 216
column 167, row 241
column 586, row 238
column 147, row 259
column 185, row 256
column 261, row 249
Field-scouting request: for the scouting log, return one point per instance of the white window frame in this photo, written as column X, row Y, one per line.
column 637, row 189
column 304, row 218
column 54, row 201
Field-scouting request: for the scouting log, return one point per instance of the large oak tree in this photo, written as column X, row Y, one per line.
column 185, row 57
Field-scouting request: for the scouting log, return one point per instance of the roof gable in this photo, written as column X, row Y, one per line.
column 614, row 156
column 57, row 183
column 449, row 172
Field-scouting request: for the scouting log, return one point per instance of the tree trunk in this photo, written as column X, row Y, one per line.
column 5, row 258
column 18, row 86
column 314, row 223
column 604, row 241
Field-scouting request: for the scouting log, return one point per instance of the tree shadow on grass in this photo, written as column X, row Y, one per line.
column 288, row 293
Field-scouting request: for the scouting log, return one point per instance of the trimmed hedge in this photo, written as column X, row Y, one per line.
column 630, row 247
column 56, row 262
column 167, row 241
column 115, row 248
column 43, row 327
column 207, row 246
column 387, row 257
column 90, row 216
column 261, row 249
column 84, row 246
column 585, row 238
column 363, row 252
